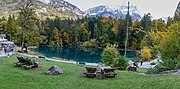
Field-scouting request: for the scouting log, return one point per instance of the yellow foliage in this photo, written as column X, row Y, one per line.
column 115, row 29
column 83, row 26
column 146, row 53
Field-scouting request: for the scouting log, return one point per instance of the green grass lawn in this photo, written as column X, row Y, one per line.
column 12, row 77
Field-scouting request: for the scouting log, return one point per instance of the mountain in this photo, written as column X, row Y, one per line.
column 177, row 12
column 62, row 5
column 115, row 12
column 104, row 11
column 44, row 8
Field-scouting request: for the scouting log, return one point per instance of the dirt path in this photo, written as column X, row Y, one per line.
column 172, row 72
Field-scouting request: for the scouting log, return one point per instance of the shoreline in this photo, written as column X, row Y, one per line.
column 56, row 60
column 145, row 64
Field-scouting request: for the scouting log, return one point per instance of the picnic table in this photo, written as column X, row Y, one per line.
column 105, row 72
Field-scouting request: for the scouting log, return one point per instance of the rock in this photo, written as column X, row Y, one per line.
column 54, row 70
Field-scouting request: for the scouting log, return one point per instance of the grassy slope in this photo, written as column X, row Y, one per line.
column 12, row 77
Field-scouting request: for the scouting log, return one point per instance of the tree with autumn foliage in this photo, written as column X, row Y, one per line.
column 146, row 53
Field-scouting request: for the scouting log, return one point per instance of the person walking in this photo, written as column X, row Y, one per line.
column 5, row 50
column 141, row 62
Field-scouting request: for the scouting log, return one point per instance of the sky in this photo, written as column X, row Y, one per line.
column 157, row 8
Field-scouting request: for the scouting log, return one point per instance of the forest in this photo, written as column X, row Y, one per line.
column 92, row 31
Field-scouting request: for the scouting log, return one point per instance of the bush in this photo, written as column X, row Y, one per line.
column 121, row 63
column 157, row 69
column 168, row 63
column 164, row 66
column 146, row 53
column 178, row 66
column 153, row 71
column 111, row 57
column 161, row 68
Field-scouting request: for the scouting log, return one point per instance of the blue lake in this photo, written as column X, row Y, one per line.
column 76, row 53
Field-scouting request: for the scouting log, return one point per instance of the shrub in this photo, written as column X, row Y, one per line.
column 146, row 53
column 161, row 68
column 153, row 71
column 168, row 63
column 178, row 66
column 121, row 63
column 111, row 57
column 157, row 69
column 164, row 66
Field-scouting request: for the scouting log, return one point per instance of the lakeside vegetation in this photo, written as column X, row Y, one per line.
column 18, row 78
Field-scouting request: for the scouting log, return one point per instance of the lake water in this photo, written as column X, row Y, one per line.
column 76, row 53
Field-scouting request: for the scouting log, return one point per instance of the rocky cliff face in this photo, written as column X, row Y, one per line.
column 44, row 8
column 115, row 12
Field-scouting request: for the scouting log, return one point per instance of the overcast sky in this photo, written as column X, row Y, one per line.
column 157, row 8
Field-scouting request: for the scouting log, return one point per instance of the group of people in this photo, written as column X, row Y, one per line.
column 6, row 49
column 135, row 64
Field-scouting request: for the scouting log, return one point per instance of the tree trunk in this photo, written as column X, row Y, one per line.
column 25, row 27
column 127, row 18
column 22, row 41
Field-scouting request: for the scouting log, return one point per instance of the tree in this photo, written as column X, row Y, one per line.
column 158, row 25
column 66, row 39
column 11, row 27
column 56, row 37
column 121, row 33
column 170, row 44
column 84, row 34
column 146, row 22
column 26, row 15
column 146, row 53
column 104, row 40
column 111, row 57
column 91, row 27
column 127, row 29
column 169, row 21
column 169, row 47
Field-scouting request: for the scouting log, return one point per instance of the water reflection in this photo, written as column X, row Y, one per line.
column 75, row 53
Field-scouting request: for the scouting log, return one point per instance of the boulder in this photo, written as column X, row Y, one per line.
column 54, row 70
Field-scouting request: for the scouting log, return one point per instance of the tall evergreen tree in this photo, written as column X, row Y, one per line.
column 145, row 22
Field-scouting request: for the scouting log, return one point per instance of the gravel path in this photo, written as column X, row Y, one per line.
column 56, row 60
column 144, row 65
column 177, row 73
column 147, row 64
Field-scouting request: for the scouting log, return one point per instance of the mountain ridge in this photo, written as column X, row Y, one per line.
column 64, row 9
column 119, row 11
column 44, row 9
